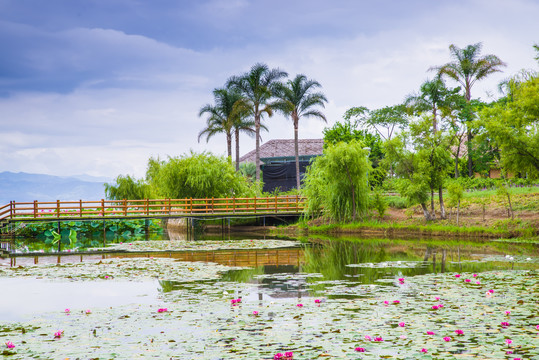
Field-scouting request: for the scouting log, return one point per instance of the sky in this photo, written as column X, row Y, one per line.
column 98, row 87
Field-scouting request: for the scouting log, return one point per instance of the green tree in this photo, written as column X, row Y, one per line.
column 422, row 161
column 296, row 99
column 337, row 182
column 346, row 132
column 127, row 187
column 467, row 68
column 456, row 192
column 513, row 123
column 222, row 116
column 199, row 175
column 257, row 87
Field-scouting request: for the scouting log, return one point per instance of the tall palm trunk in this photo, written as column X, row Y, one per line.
column 296, row 149
column 237, row 136
column 257, row 143
column 229, row 145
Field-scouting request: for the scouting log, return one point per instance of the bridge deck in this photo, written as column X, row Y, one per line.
column 150, row 209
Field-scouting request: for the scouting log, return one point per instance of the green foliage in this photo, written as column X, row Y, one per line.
column 346, row 132
column 514, row 127
column 127, row 187
column 200, row 175
column 455, row 192
column 248, row 170
column 378, row 203
column 193, row 175
column 337, row 182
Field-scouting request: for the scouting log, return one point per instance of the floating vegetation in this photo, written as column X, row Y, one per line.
column 440, row 316
column 125, row 269
column 201, row 245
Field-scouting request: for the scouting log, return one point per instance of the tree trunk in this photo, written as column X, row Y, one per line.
column 426, row 212
column 457, row 161
column 296, row 150
column 510, row 206
column 432, row 201
column 237, row 135
column 470, row 161
column 229, row 145
column 442, row 206
column 353, row 194
column 257, row 144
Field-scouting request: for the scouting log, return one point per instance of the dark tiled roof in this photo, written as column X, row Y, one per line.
column 285, row 147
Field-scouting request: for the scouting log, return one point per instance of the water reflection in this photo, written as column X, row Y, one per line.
column 370, row 261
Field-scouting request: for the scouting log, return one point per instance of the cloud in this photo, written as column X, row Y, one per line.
column 96, row 96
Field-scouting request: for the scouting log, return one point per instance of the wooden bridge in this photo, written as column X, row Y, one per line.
column 59, row 211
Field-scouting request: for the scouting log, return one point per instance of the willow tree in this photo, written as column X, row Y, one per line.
column 256, row 87
column 467, row 68
column 297, row 99
column 337, row 182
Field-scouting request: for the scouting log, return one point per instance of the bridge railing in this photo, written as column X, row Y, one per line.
column 150, row 207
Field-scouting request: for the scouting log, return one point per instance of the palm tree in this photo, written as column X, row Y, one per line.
column 433, row 96
column 467, row 68
column 223, row 116
column 256, row 86
column 296, row 100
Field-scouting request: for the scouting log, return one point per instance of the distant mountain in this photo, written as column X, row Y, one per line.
column 30, row 187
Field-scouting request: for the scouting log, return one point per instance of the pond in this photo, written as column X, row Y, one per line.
column 258, row 298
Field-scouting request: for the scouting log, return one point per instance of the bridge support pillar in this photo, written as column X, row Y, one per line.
column 59, row 233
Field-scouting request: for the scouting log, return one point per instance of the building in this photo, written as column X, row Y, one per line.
column 279, row 163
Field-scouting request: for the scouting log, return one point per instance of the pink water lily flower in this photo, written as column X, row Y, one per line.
column 401, row 280
column 505, row 324
column 359, row 349
column 317, row 301
column 59, row 334
column 424, row 350
column 368, row 338
column 467, row 280
column 508, row 341
column 162, row 310
column 299, row 305
column 478, row 282
column 459, row 332
column 402, row 324
column 386, row 302
column 255, row 313
column 278, row 356
column 537, row 327
column 67, row 311
column 431, row 333
column 440, row 306
column 491, row 291
column 509, row 352
column 436, row 298
column 289, row 354
column 10, row 345
column 396, row 302
column 88, row 312
column 378, row 338
column 434, row 307
column 447, row 338
column 457, row 275
column 507, row 312
column 474, row 275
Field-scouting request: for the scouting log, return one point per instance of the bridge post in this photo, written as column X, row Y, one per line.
column 59, row 233
column 80, row 207
column 58, row 209
column 35, row 209
column 103, row 207
column 11, row 209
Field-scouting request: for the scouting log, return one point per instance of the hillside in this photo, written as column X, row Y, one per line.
column 29, row 187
